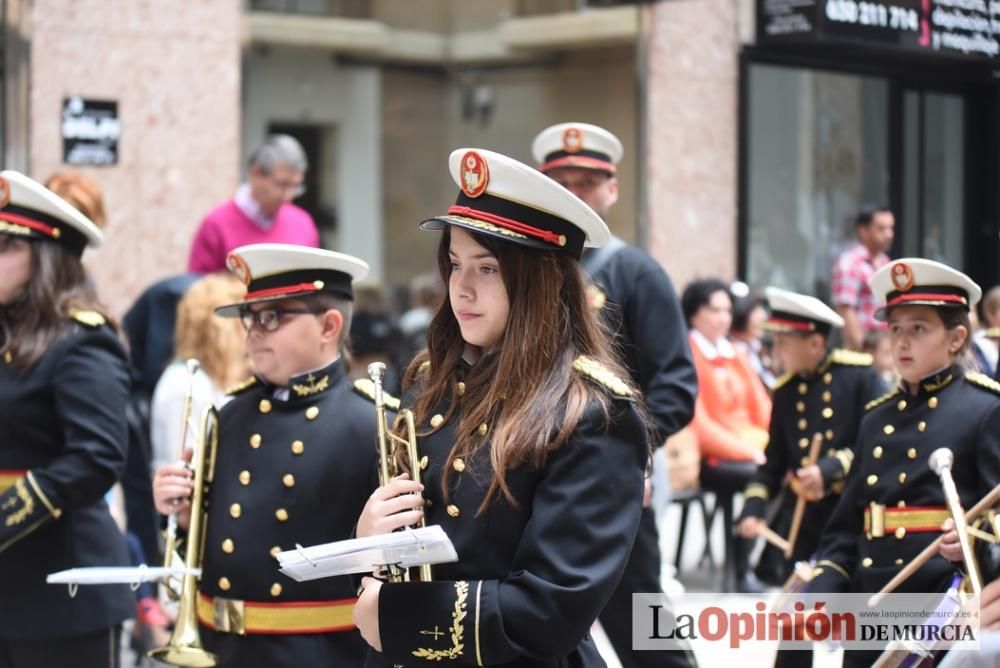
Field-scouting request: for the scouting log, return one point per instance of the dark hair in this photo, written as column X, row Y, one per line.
column 40, row 315
column 526, row 390
column 699, row 293
column 742, row 308
column 867, row 213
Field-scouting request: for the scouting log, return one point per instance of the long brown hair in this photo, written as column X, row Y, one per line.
column 36, row 319
column 526, row 390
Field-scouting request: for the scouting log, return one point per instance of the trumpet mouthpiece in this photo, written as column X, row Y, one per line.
column 192, row 365
column 942, row 458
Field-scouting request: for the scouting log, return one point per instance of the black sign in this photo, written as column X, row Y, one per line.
column 958, row 28
column 90, row 131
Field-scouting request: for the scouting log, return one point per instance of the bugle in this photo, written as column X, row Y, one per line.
column 389, row 461
column 185, row 647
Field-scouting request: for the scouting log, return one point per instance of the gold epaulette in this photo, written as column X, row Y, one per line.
column 424, row 366
column 881, row 400
column 983, row 381
column 992, row 333
column 366, row 388
column 851, row 358
column 782, row 380
column 598, row 372
column 240, row 387
column 91, row 319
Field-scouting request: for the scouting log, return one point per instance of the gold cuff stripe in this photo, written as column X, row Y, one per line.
column 837, row 567
column 55, row 512
column 479, row 592
column 756, row 490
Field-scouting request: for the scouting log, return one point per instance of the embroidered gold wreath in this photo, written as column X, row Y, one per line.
column 457, row 629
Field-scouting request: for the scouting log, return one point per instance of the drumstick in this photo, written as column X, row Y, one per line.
column 929, row 551
column 773, row 538
column 800, row 502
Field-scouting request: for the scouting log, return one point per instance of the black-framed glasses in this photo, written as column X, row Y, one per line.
column 269, row 319
column 297, row 189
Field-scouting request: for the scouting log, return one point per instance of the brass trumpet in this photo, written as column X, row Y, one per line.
column 185, row 647
column 389, row 462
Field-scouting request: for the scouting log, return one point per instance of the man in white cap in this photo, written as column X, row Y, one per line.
column 821, row 396
column 295, row 464
column 637, row 300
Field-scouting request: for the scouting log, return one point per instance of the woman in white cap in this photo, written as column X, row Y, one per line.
column 63, row 390
column 534, row 449
column 894, row 504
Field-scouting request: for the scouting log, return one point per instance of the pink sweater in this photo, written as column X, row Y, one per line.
column 226, row 228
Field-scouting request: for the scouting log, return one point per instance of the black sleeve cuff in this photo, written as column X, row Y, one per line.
column 429, row 621
column 23, row 508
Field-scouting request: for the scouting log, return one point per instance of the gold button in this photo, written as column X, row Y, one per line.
column 281, row 514
column 912, row 453
column 828, row 412
column 461, row 389
column 424, row 461
column 900, row 532
column 458, row 464
column 288, row 480
column 933, row 402
column 901, row 504
column 803, row 442
column 276, row 589
column 483, row 429
column 8, row 357
column 255, row 441
column 244, row 478
column 899, row 562
column 829, row 434
column 437, row 420
column 224, row 584
column 867, row 562
column 901, row 405
column 453, row 510
column 921, row 426
column 827, row 396
column 803, row 424
column 872, row 479
column 888, row 429
column 264, row 406
column 803, row 388
column 804, row 461
column 298, row 447
column 274, row 551
column 828, row 378
column 235, row 510
column 228, row 546
column 318, row 285
column 311, row 413
column 877, row 452
column 800, row 406
column 902, row 478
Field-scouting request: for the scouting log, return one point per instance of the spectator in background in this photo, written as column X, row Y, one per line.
column 986, row 339
column 374, row 336
column 731, row 416
column 747, row 331
column 218, row 345
column 877, row 345
column 82, row 192
column 426, row 291
column 261, row 211
column 854, row 268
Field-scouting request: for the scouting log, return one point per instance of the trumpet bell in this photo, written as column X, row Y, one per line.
column 190, row 656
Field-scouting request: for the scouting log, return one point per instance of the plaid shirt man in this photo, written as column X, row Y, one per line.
column 850, row 284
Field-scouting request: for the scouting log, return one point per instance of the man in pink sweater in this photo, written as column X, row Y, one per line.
column 262, row 209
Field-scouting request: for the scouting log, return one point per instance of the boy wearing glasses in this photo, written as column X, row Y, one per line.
column 295, row 463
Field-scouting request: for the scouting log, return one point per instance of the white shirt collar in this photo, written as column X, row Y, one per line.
column 720, row 348
column 251, row 209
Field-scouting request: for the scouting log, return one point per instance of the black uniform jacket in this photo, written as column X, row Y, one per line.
column 62, row 447
column 289, row 470
column 531, row 579
column 638, row 303
column 952, row 408
column 830, row 401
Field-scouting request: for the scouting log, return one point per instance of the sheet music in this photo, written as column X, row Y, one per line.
column 412, row 547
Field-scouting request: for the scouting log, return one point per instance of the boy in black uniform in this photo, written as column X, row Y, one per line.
column 295, row 465
column 822, row 392
column 637, row 301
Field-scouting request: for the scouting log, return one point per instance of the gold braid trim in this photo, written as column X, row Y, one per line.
column 836, row 567
column 366, row 388
column 314, row 387
column 239, row 387
column 881, row 400
column 27, row 507
column 602, row 375
column 983, row 381
column 782, row 380
column 55, row 512
column 851, row 358
column 756, row 490
column 457, row 629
